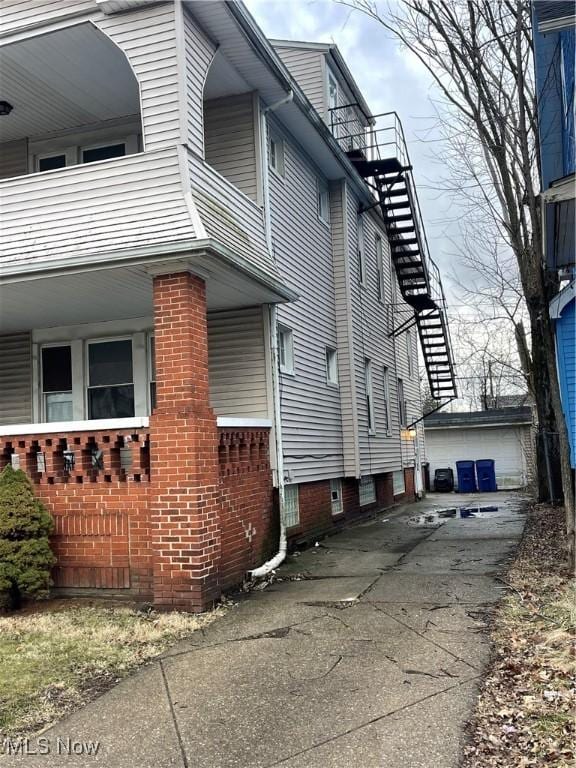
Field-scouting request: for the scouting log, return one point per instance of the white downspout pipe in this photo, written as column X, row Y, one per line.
column 278, row 559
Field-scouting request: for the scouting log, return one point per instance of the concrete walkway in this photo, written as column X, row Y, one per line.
column 367, row 654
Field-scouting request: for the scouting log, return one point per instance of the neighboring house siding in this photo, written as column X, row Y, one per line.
column 199, row 53
column 16, row 378
column 230, row 140
column 237, row 363
column 307, row 68
column 566, row 355
column 148, row 38
column 311, row 414
column 13, row 158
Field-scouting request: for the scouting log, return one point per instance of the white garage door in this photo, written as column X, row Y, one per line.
column 444, row 447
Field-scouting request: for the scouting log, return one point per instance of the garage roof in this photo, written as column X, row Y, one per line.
column 492, row 418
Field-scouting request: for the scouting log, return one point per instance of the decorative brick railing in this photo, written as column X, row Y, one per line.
column 243, row 450
column 99, row 456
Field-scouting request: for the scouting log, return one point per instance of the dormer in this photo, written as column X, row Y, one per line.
column 322, row 74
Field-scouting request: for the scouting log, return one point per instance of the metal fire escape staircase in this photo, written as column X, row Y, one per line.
column 386, row 167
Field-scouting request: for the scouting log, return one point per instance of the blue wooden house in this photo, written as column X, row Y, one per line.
column 554, row 24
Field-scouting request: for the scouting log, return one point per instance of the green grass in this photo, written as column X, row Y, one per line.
column 53, row 661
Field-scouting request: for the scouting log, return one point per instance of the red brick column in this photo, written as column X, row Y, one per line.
column 184, row 492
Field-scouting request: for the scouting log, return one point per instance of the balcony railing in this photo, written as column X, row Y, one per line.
column 111, row 205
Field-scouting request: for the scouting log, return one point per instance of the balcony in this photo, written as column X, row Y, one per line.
column 87, row 210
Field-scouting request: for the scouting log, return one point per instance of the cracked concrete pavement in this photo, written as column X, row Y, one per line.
column 367, row 653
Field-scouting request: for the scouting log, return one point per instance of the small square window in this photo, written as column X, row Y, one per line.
column 323, row 202
column 285, row 349
column 367, row 490
column 331, row 366
column 336, row 496
column 276, row 156
column 291, row 508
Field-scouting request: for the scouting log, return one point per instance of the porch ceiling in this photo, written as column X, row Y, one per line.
column 112, row 294
column 74, row 76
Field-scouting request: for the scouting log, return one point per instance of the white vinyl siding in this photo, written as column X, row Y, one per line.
column 367, row 491
column 291, row 509
column 198, row 56
column 230, row 141
column 310, row 410
column 237, row 363
column 15, row 378
column 148, row 38
column 307, row 68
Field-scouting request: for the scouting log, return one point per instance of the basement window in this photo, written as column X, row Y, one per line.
column 291, row 508
column 367, row 490
column 398, row 483
column 336, row 496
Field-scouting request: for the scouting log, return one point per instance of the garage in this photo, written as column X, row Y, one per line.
column 505, row 435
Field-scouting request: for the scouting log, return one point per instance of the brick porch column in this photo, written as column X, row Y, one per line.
column 184, row 492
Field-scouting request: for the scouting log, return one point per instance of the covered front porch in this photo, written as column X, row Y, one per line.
column 137, row 399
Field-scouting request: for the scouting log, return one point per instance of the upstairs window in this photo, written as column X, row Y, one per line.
column 401, row 405
column 51, row 162
column 285, row 349
column 379, row 269
column 332, row 93
column 103, row 152
column 369, row 396
column 409, row 353
column 361, row 251
column 331, row 366
column 386, row 386
column 323, row 202
column 276, row 156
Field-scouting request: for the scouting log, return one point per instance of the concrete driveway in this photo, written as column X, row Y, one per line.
column 367, row 654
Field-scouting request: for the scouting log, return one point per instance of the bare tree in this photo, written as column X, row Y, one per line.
column 479, row 54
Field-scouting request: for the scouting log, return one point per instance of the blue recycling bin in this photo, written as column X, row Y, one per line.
column 486, row 475
column 466, row 476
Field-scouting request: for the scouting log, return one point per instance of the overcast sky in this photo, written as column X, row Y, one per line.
column 390, row 79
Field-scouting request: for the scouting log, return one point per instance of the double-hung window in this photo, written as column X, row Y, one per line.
column 369, row 396
column 110, row 381
column 401, row 404
column 386, row 386
column 361, row 251
column 380, row 270
column 56, row 371
column 276, row 154
column 323, row 202
column 331, row 366
column 285, row 349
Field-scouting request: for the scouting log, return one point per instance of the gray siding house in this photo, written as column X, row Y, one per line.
column 144, row 143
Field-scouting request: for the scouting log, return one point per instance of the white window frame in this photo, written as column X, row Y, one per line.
column 380, row 284
column 42, row 394
column 70, row 153
column 102, row 145
column 367, row 490
column 276, row 159
column 361, row 250
column 409, row 354
column 323, row 201
column 331, row 355
column 386, row 393
column 286, row 343
column 291, row 506
column 336, row 500
column 398, row 488
column 402, row 414
column 369, row 396
column 86, row 383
